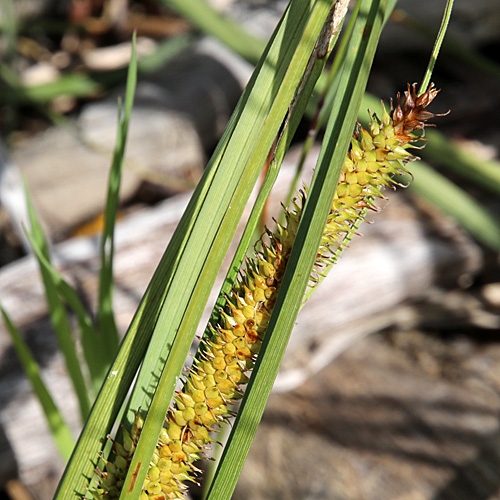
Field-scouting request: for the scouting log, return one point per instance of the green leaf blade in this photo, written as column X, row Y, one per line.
column 105, row 315
column 61, row 433
column 57, row 311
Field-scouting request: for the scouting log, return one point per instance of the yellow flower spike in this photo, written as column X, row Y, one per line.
column 369, row 156
column 187, row 399
column 179, row 403
column 217, row 378
column 164, row 436
column 179, row 467
column 239, row 330
column 364, row 178
column 229, row 350
column 175, row 445
column 229, row 321
column 243, row 353
column 355, row 189
column 379, row 141
column 258, row 294
column 198, row 396
column 168, row 489
column 341, row 190
column 239, row 342
column 372, row 166
column 221, row 410
column 226, row 387
column 230, row 358
column 208, row 419
column 386, row 118
column 178, row 456
column 248, row 312
column 221, row 375
column 249, row 324
column 202, row 435
column 348, row 165
column 166, row 475
column 190, row 448
column 351, row 178
column 259, row 281
column 217, row 350
column 375, row 131
column 225, row 335
column 137, row 427
column 252, row 336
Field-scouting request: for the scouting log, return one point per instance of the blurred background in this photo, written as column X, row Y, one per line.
column 390, row 388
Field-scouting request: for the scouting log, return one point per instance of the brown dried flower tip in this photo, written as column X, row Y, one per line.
column 410, row 113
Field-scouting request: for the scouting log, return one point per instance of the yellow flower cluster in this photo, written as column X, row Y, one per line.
column 219, row 374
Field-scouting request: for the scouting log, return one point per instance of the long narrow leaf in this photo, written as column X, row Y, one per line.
column 60, row 431
column 456, row 159
column 96, row 362
column 58, row 314
column 455, row 202
column 105, row 316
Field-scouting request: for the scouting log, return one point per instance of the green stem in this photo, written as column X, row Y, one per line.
column 437, row 47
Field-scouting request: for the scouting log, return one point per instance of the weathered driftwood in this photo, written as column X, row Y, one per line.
column 399, row 258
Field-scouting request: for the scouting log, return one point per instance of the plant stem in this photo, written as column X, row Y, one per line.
column 437, row 47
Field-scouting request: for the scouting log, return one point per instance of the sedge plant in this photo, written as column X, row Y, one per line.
column 231, row 347
column 162, row 431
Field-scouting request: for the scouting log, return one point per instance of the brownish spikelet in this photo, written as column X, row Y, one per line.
column 410, row 113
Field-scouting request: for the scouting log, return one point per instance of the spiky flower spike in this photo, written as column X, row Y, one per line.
column 375, row 156
column 218, row 376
